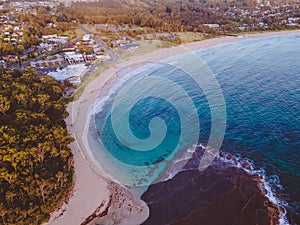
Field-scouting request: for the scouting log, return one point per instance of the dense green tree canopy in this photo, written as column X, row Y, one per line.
column 35, row 160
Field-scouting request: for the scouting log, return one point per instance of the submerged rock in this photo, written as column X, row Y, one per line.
column 222, row 194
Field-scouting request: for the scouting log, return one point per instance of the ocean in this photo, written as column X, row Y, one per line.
column 261, row 85
column 159, row 111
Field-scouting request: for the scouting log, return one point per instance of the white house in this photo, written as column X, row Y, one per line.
column 212, row 25
column 58, row 40
column 103, row 57
column 74, row 58
column 75, row 80
column 86, row 37
column 49, row 36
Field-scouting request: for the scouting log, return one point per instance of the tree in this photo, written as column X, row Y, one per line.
column 36, row 169
column 43, row 101
column 4, row 104
column 20, row 50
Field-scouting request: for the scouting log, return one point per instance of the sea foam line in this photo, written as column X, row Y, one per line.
column 98, row 107
column 265, row 185
column 234, row 160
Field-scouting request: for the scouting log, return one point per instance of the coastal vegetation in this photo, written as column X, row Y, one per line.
column 189, row 15
column 30, row 29
column 36, row 164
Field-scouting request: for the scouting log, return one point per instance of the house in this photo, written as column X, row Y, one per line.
column 51, row 25
column 45, row 47
column 56, row 61
column 32, row 52
column 212, row 25
column 103, row 57
column 58, row 40
column 91, row 42
column 15, row 35
column 103, row 38
column 90, row 58
column 68, row 92
column 7, row 27
column 74, row 58
column 98, row 51
column 86, row 38
column 293, row 20
column 293, row 24
column 3, row 63
column 128, row 47
column 20, row 33
column 68, row 49
column 49, row 36
column 75, row 80
column 10, row 58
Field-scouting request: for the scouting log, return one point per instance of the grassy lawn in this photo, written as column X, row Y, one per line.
column 87, row 80
column 91, row 29
column 73, row 34
column 184, row 36
column 146, row 47
column 83, row 85
column 190, row 36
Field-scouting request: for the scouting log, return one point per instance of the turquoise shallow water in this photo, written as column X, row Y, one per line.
column 260, row 81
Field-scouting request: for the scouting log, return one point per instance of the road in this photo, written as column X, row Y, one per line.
column 93, row 67
column 114, row 56
column 27, row 63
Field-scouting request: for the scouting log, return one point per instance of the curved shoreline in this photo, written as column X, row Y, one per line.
column 88, row 180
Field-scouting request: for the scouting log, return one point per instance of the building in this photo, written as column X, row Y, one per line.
column 58, row 40
column 56, row 61
column 74, row 58
column 3, row 63
column 74, row 72
column 10, row 58
column 129, row 47
column 49, row 36
column 103, row 57
column 212, row 25
column 86, row 37
column 90, row 58
column 75, row 80
column 68, row 49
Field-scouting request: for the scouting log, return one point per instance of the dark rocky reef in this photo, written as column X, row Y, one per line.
column 222, row 194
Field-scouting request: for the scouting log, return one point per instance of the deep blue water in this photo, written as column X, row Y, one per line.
column 260, row 81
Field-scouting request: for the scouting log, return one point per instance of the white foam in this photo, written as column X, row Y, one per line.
column 266, row 187
column 100, row 102
column 280, row 204
column 98, row 107
column 89, row 150
column 173, row 168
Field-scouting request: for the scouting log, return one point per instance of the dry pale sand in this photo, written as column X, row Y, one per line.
column 92, row 190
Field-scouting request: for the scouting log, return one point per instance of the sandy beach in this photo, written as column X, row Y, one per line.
column 94, row 197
